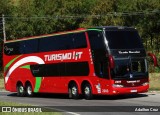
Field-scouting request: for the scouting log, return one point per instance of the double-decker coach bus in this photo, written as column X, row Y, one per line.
column 94, row 61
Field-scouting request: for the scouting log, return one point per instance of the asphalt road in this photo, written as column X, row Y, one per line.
column 100, row 105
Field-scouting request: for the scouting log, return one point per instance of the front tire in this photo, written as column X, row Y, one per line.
column 20, row 90
column 73, row 91
column 29, row 90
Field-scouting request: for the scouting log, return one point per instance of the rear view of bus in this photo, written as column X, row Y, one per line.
column 127, row 66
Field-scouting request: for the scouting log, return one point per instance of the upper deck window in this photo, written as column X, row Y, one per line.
column 96, row 40
column 123, row 39
column 46, row 44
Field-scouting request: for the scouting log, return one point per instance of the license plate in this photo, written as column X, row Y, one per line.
column 133, row 91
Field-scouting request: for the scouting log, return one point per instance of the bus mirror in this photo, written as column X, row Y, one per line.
column 154, row 58
column 111, row 62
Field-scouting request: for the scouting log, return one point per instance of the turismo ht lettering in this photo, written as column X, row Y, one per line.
column 63, row 56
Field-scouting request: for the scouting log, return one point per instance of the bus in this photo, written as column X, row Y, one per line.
column 107, row 60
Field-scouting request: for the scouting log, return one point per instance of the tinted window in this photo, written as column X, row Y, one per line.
column 28, row 46
column 77, row 69
column 46, row 44
column 98, row 53
column 96, row 40
column 12, row 48
column 101, row 69
column 126, row 67
column 61, row 69
column 67, row 41
column 63, row 42
column 49, row 44
column 123, row 39
column 79, row 40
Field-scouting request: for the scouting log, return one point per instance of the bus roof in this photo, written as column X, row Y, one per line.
column 47, row 35
column 113, row 28
column 100, row 28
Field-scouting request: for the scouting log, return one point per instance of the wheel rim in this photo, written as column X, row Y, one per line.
column 74, row 90
column 21, row 89
column 87, row 90
column 29, row 90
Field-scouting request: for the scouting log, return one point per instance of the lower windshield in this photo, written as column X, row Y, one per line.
column 130, row 68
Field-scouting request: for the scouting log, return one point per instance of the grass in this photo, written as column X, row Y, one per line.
column 1, row 82
column 12, row 104
column 154, row 81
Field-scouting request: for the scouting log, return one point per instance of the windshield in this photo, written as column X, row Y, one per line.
column 123, row 39
column 128, row 68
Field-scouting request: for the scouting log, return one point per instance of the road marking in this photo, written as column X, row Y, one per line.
column 73, row 113
column 61, row 110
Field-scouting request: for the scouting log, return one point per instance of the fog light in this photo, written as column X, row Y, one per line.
column 114, row 91
column 146, row 83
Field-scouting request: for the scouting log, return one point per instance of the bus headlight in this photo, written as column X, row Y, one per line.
column 146, row 83
column 117, row 85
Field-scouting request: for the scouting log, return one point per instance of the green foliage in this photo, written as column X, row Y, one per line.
column 152, row 68
column 35, row 17
column 157, row 69
column 154, row 79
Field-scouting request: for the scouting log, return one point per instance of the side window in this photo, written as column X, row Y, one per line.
column 21, row 47
column 104, row 69
column 101, row 69
column 46, row 44
column 61, row 69
column 67, row 41
column 63, row 42
column 57, row 44
column 99, row 54
column 77, row 69
column 12, row 48
column 28, row 46
column 96, row 40
column 54, row 43
column 79, row 40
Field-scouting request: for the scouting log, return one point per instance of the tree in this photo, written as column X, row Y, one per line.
column 144, row 15
column 5, row 8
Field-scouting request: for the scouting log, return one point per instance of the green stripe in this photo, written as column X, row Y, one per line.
column 38, row 79
column 25, row 67
column 38, row 84
column 7, row 66
column 96, row 30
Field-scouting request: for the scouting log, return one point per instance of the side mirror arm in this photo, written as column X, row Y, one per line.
column 154, row 58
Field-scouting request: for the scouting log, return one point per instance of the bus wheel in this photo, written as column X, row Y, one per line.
column 20, row 90
column 73, row 91
column 87, row 91
column 29, row 90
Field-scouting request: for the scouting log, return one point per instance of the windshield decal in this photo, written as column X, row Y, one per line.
column 129, row 52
